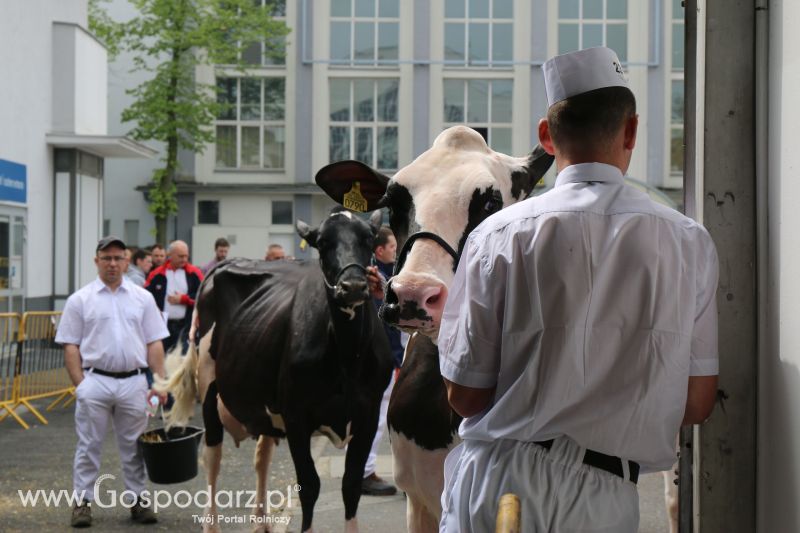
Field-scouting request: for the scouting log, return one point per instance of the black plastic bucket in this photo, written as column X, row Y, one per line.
column 174, row 458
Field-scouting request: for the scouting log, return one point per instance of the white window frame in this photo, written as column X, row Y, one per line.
column 261, row 123
column 374, row 125
column 673, row 179
column 489, row 124
column 283, row 19
column 605, row 22
column 375, row 20
column 491, row 21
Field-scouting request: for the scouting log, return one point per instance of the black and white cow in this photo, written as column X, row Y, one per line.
column 434, row 203
column 297, row 348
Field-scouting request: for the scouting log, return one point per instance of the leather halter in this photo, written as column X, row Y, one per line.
column 362, row 268
column 401, row 259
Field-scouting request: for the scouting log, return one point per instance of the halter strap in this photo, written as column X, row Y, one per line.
column 401, row 259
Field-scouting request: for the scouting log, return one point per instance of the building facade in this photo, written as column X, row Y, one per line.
column 377, row 80
column 53, row 146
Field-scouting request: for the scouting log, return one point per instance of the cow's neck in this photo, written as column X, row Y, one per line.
column 352, row 328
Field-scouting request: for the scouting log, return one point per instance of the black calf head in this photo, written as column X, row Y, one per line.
column 344, row 242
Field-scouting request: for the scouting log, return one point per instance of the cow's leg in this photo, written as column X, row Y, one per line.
column 300, row 447
column 418, row 517
column 364, row 429
column 262, row 460
column 212, row 453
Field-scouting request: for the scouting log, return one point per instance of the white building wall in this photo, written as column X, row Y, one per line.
column 779, row 391
column 26, row 30
column 121, row 200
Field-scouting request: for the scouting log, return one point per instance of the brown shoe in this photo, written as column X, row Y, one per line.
column 142, row 514
column 82, row 515
column 375, row 486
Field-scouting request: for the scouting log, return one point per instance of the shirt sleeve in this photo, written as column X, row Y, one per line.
column 470, row 333
column 153, row 325
column 70, row 327
column 704, row 351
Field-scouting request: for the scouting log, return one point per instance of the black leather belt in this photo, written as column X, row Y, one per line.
column 609, row 463
column 117, row 375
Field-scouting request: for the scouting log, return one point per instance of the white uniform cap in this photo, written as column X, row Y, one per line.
column 580, row 72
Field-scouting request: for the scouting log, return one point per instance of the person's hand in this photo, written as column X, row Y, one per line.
column 174, row 298
column 162, row 396
column 375, row 282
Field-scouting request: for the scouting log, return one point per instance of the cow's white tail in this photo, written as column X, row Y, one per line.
column 182, row 383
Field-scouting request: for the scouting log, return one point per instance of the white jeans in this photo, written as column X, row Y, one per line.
column 369, row 468
column 100, row 400
column 557, row 491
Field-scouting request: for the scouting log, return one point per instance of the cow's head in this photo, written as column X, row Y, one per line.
column 434, row 203
column 344, row 242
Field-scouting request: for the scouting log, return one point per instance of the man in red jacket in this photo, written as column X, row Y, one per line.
column 174, row 286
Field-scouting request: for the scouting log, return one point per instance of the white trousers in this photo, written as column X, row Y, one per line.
column 122, row 402
column 557, row 492
column 369, row 468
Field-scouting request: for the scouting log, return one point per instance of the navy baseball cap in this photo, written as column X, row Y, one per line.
column 105, row 242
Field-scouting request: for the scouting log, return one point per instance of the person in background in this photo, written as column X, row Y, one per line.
column 221, row 247
column 159, row 255
column 384, row 253
column 174, row 286
column 274, row 253
column 111, row 331
column 128, row 255
column 141, row 263
column 580, row 329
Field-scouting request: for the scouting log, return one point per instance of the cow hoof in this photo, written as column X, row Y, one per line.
column 263, row 529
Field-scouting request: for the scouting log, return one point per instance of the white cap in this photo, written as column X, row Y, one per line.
column 580, row 72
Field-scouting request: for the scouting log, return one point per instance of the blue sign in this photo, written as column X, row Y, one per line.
column 13, row 182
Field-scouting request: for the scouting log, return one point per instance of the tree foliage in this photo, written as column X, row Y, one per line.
column 170, row 39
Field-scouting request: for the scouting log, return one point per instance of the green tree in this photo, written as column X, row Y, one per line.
column 170, row 39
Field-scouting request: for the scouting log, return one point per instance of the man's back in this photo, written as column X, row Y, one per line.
column 600, row 297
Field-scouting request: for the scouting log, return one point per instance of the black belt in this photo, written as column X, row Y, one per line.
column 609, row 463
column 117, row 375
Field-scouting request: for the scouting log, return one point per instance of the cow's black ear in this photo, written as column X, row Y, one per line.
column 375, row 220
column 307, row 233
column 524, row 180
column 353, row 185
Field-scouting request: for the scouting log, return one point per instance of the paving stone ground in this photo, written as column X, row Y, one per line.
column 41, row 458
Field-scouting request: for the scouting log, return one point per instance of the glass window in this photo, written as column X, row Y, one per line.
column 454, row 9
column 282, row 212
column 106, row 228
column 677, row 46
column 676, row 150
column 369, row 132
column 131, row 232
column 677, row 101
column 374, row 27
column 242, row 123
column 588, row 23
column 271, row 51
column 479, row 32
column 208, row 212
column 488, row 108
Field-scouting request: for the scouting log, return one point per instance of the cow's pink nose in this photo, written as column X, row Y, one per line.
column 418, row 305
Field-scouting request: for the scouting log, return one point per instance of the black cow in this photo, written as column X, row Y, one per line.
column 297, row 348
column 434, row 203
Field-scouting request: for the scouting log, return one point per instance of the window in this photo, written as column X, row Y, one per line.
column 479, row 32
column 257, row 53
column 365, row 32
column 131, row 233
column 587, row 23
column 485, row 105
column 282, row 212
column 208, row 212
column 676, row 83
column 251, row 131
column 106, row 227
column 363, row 121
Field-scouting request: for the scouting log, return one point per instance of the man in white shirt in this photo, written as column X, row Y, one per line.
column 581, row 327
column 111, row 331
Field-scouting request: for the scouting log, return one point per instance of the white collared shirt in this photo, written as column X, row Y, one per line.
column 176, row 283
column 588, row 308
column 112, row 329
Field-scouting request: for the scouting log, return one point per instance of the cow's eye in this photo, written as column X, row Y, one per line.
column 492, row 206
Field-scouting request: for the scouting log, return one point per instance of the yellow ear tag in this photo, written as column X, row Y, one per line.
column 303, row 244
column 354, row 200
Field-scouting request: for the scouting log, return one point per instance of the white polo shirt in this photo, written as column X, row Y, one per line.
column 588, row 308
column 112, row 329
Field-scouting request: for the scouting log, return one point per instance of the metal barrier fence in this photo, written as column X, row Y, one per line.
column 38, row 364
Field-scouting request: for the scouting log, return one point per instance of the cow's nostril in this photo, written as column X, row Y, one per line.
column 432, row 301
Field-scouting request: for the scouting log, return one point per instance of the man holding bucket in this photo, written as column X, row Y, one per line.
column 111, row 331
